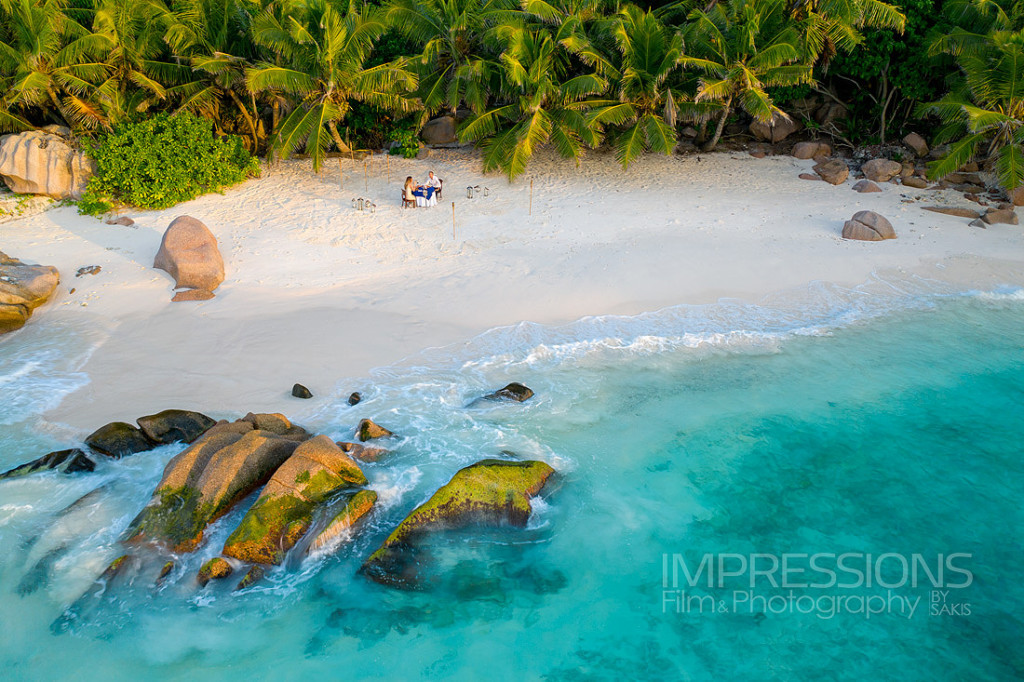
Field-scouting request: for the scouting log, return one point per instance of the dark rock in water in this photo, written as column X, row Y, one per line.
column 66, row 461
column 40, row 572
column 367, row 430
column 284, row 510
column 88, row 270
column 170, row 426
column 205, row 481
column 362, row 453
column 490, row 492
column 214, row 569
column 92, row 597
column 164, row 572
column 300, row 391
column 251, row 577
column 354, row 399
column 513, row 391
column 117, row 440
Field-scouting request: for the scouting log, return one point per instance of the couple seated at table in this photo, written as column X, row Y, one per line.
column 422, row 195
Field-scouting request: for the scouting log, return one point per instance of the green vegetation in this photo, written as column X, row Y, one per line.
column 161, row 161
column 316, row 76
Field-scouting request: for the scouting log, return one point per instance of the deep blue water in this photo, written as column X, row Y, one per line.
column 866, row 426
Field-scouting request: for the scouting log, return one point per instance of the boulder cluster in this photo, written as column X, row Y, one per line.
column 313, row 493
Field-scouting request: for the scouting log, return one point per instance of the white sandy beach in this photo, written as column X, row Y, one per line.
column 317, row 292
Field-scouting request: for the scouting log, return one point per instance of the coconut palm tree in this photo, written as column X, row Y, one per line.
column 458, row 64
column 985, row 112
column 647, row 53
column 739, row 48
column 44, row 65
column 324, row 48
column 542, row 102
column 213, row 36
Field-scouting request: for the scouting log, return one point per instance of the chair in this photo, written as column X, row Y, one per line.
column 440, row 188
column 408, row 203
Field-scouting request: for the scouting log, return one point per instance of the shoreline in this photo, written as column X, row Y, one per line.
column 317, row 293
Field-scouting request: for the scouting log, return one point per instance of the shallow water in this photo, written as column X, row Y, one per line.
column 830, row 421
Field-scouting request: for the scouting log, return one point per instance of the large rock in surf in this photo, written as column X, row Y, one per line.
column 170, row 426
column 356, row 507
column 214, row 569
column 37, row 162
column 118, row 439
column 189, row 253
column 23, row 288
column 66, row 461
column 868, row 226
column 205, row 481
column 276, row 422
column 368, row 430
column 284, row 510
column 490, row 492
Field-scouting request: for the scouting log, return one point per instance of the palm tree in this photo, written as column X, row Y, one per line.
column 829, row 26
column 648, row 53
column 986, row 110
column 324, row 51
column 213, row 36
column 44, row 65
column 458, row 63
column 542, row 102
column 740, row 48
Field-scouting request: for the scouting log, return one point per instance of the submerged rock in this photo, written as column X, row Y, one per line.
column 66, row 461
column 92, row 598
column 355, row 398
column 300, row 391
column 251, row 577
column 165, row 571
column 490, row 492
column 367, row 430
column 214, row 569
column 357, row 506
column 118, row 439
column 205, row 481
column 170, row 426
column 284, row 510
column 514, row 392
column 362, row 453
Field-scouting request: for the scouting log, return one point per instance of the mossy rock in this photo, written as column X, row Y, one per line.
column 214, row 569
column 204, row 482
column 171, row 426
column 284, row 510
column 165, row 571
column 490, row 492
column 118, row 439
column 368, row 430
column 276, row 423
column 357, row 506
column 251, row 577
column 71, row 461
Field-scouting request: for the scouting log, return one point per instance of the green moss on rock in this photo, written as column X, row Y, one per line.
column 271, row 527
column 357, row 506
column 490, row 492
column 214, row 569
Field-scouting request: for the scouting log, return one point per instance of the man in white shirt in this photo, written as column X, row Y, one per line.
column 433, row 180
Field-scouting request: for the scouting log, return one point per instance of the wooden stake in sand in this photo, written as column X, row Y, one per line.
column 453, row 221
column 531, row 196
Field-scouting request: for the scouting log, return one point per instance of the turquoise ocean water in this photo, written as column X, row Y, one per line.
column 883, row 420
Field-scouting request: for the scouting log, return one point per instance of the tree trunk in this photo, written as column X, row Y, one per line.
column 721, row 125
column 342, row 147
column 248, row 120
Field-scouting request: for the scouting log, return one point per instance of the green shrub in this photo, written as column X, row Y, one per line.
column 162, row 161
